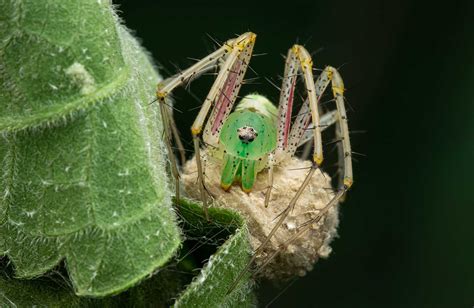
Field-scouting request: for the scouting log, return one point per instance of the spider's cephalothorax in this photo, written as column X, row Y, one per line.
column 246, row 138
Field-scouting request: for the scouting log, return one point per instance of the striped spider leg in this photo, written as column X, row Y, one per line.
column 339, row 118
column 234, row 56
column 307, row 125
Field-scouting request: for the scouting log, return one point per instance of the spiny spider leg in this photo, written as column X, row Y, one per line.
column 167, row 124
column 343, row 131
column 300, row 132
column 229, row 90
column 302, row 129
column 340, row 159
column 297, row 61
column 303, row 228
column 236, row 54
column 223, row 94
column 283, row 215
column 330, row 74
column 177, row 139
column 165, row 87
column 285, row 107
column 327, row 119
column 271, row 163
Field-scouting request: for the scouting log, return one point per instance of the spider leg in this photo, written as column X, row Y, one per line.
column 280, row 221
column 235, row 54
column 327, row 119
column 330, row 74
column 307, row 149
column 164, row 88
column 223, row 94
column 177, row 139
column 340, row 159
column 166, row 119
column 303, row 229
column 271, row 163
column 342, row 129
column 306, row 136
column 298, row 61
column 302, row 128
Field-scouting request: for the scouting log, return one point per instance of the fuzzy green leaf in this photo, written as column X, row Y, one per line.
column 210, row 287
column 207, row 289
column 44, row 292
column 81, row 159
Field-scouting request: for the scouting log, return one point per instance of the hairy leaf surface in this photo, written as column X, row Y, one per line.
column 82, row 165
column 207, row 289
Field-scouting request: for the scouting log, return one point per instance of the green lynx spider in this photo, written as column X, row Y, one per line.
column 256, row 135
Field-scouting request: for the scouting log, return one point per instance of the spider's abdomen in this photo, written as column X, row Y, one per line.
column 247, row 137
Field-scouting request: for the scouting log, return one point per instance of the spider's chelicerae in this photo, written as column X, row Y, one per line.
column 254, row 145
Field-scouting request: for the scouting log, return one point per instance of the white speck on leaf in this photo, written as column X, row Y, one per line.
column 81, row 77
column 16, row 223
column 125, row 173
column 45, row 183
column 30, row 213
column 86, row 148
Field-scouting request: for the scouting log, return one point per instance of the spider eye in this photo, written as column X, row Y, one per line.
column 247, row 134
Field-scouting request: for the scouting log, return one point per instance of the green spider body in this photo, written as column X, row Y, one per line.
column 259, row 136
column 246, row 139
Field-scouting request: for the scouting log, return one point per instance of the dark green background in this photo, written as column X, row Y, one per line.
column 406, row 235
